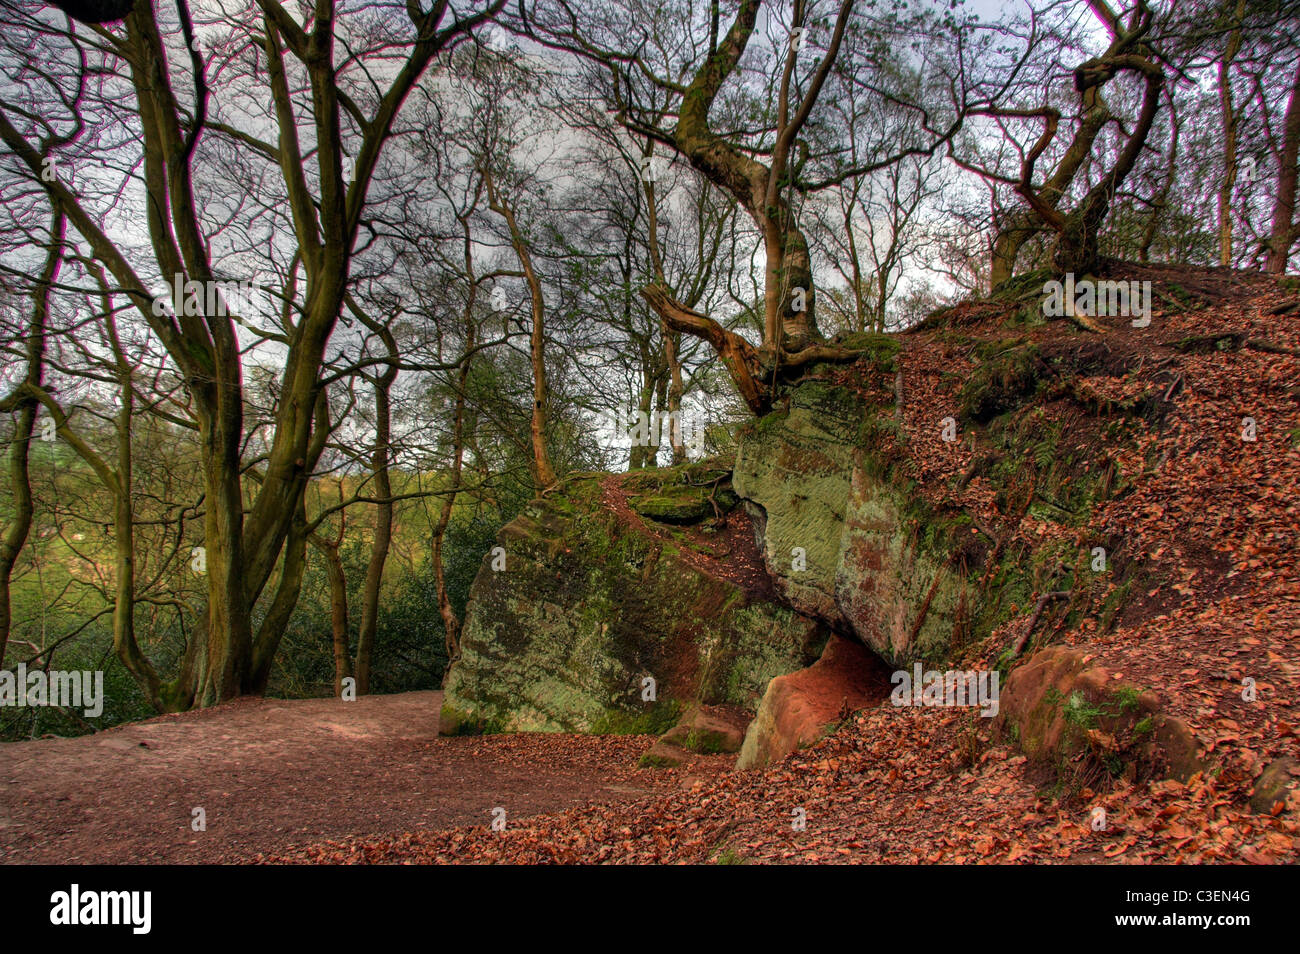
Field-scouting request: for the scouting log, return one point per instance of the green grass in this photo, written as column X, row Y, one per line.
column 729, row 856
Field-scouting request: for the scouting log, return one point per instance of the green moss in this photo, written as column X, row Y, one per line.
column 1001, row 384
column 459, row 722
column 878, row 350
column 1027, row 316
column 1024, row 285
column 1113, row 605
column 729, row 856
column 650, row 760
column 656, row 720
column 704, row 742
column 689, row 507
column 591, row 604
column 991, row 350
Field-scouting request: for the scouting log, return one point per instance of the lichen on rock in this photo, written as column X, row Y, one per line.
column 592, row 603
column 835, row 529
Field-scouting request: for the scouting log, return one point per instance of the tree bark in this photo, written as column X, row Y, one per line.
column 671, row 339
column 1229, row 115
column 1284, row 229
column 789, row 296
column 741, row 359
column 543, row 474
column 26, row 405
column 451, row 622
column 1078, row 233
column 379, row 547
column 338, row 614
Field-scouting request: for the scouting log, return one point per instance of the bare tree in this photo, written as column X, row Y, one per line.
column 242, row 549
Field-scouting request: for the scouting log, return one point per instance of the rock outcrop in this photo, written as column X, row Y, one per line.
column 835, row 529
column 589, row 600
column 796, row 709
column 621, row 578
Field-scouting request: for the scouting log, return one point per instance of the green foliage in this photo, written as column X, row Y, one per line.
column 729, row 856
column 1001, row 384
column 453, row 722
column 1079, row 712
column 410, row 641
column 91, row 651
column 651, row 760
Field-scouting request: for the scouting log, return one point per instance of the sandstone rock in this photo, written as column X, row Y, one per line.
column 589, row 605
column 664, row 755
column 793, row 470
column 1274, row 784
column 809, row 484
column 680, row 509
column 1058, row 704
column 900, row 598
column 796, row 708
column 708, row 730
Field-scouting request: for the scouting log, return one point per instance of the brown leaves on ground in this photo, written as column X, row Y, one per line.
column 893, row 786
column 1214, row 517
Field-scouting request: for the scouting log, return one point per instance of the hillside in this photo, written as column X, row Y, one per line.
column 1132, row 440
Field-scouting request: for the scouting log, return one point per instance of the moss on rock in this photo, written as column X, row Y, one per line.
column 589, row 606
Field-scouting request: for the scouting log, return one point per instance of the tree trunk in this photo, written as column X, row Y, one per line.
column 379, row 463
column 738, row 356
column 789, row 294
column 543, row 474
column 1229, row 115
column 1161, row 201
column 1006, row 248
column 339, row 618
column 671, row 339
column 641, row 451
column 1284, row 230
column 278, row 614
column 20, row 524
column 1044, row 203
column 1078, row 233
column 224, row 671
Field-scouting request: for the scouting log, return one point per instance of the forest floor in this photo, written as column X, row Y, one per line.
column 272, row 773
column 1213, row 516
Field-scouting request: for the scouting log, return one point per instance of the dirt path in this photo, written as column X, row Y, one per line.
column 272, row 773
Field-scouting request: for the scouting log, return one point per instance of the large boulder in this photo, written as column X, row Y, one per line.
column 835, row 528
column 1060, row 705
column 594, row 599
